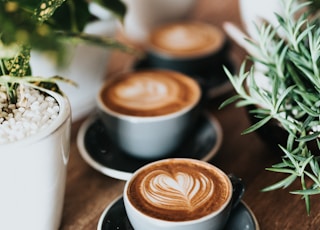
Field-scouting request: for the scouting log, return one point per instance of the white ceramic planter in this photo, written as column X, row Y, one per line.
column 144, row 15
column 33, row 175
column 86, row 65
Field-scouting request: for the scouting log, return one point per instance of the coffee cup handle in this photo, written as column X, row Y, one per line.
column 238, row 189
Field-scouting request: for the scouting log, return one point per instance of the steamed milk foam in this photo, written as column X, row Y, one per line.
column 179, row 190
column 150, row 93
column 186, row 39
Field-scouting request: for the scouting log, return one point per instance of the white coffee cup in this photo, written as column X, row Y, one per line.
column 178, row 194
column 148, row 113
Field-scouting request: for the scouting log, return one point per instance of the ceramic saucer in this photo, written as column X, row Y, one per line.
column 115, row 217
column 214, row 82
column 100, row 153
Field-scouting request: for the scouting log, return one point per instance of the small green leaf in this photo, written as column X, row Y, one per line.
column 46, row 9
column 229, row 101
column 306, row 192
column 281, row 170
column 281, row 184
column 308, row 110
column 257, row 125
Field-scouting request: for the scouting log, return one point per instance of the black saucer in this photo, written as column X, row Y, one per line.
column 103, row 155
column 115, row 217
column 213, row 81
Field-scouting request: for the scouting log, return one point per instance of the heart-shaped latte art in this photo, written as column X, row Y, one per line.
column 180, row 191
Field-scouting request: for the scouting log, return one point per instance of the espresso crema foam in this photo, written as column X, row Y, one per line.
column 179, row 190
column 150, row 93
column 186, row 39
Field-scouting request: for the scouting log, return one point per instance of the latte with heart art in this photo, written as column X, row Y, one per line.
column 179, row 190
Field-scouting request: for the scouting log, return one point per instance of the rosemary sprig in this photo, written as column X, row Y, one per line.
column 288, row 58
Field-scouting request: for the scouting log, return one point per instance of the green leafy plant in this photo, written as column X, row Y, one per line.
column 45, row 25
column 37, row 22
column 315, row 5
column 288, row 58
column 15, row 70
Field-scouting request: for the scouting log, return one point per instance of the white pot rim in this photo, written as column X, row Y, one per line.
column 64, row 113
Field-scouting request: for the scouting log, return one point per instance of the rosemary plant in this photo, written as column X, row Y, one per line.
column 288, row 57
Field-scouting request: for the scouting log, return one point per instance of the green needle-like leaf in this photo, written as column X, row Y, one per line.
column 281, row 184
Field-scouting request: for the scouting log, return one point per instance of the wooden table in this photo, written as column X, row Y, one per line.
column 88, row 192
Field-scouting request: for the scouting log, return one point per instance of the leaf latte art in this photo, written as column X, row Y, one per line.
column 150, row 93
column 180, row 191
column 146, row 93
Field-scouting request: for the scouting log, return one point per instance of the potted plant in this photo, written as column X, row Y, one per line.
column 84, row 62
column 35, row 116
column 283, row 86
column 35, row 124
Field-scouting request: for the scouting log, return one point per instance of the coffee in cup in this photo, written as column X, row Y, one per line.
column 149, row 112
column 178, row 193
column 190, row 47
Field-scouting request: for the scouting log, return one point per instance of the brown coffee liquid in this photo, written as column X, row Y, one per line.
column 150, row 93
column 186, row 39
column 179, row 190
